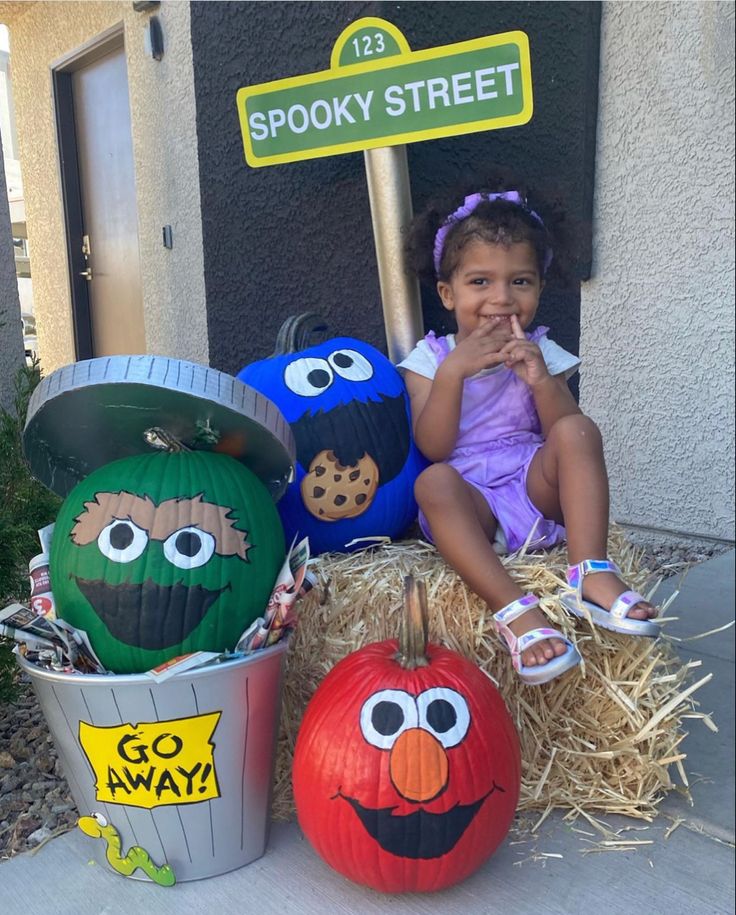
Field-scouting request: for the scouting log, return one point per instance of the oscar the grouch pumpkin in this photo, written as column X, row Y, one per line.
column 407, row 768
column 349, row 413
column 161, row 554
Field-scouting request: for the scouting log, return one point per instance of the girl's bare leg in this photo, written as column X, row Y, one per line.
column 463, row 528
column 567, row 482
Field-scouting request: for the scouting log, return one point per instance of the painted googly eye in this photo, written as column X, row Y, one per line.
column 189, row 547
column 102, row 821
column 445, row 714
column 385, row 715
column 308, row 377
column 350, row 365
column 122, row 541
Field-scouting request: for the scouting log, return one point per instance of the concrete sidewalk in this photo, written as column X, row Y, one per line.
column 690, row 871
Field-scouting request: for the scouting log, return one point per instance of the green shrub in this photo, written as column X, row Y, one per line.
column 25, row 506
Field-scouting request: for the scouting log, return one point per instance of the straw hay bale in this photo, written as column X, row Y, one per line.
column 601, row 738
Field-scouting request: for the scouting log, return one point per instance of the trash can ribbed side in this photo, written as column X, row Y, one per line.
column 181, row 768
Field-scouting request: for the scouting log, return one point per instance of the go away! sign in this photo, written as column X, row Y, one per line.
column 378, row 92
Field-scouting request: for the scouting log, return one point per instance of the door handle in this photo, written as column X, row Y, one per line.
column 87, row 274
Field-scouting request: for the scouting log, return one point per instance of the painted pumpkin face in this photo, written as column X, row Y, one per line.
column 356, row 460
column 162, row 554
column 406, row 780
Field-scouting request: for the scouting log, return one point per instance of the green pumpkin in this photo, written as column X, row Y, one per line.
column 162, row 554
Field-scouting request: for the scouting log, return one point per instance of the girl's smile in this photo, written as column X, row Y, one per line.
column 491, row 283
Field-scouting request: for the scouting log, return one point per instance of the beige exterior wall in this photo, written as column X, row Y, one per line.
column 657, row 335
column 166, row 169
column 11, row 333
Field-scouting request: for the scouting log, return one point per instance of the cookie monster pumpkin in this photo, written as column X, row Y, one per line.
column 161, row 554
column 407, row 767
column 349, row 413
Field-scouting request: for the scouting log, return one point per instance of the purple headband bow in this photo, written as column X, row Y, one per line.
column 467, row 207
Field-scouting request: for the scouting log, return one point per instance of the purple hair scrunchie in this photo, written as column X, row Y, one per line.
column 467, row 207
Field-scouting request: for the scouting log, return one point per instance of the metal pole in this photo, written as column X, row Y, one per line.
column 388, row 190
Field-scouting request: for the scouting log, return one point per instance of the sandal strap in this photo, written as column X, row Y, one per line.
column 576, row 573
column 533, row 637
column 515, row 609
column 507, row 615
column 624, row 602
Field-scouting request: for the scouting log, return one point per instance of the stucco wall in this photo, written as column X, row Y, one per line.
column 166, row 170
column 657, row 319
column 11, row 334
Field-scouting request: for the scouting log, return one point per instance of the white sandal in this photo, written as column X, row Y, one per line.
column 538, row 673
column 615, row 619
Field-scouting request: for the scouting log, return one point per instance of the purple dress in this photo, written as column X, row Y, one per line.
column 499, row 434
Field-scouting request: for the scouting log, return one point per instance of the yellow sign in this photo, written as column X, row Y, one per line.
column 154, row 762
column 378, row 92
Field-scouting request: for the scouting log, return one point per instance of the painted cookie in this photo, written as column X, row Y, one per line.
column 332, row 491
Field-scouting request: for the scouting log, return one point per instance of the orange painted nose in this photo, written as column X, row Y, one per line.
column 418, row 765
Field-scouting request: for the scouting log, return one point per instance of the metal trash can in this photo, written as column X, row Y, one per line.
column 181, row 768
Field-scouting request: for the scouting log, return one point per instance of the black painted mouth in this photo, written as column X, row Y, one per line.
column 149, row 615
column 419, row 834
column 344, row 430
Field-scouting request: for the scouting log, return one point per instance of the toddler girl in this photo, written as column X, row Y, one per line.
column 514, row 458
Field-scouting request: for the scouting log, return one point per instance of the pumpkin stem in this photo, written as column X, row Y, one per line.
column 296, row 332
column 163, row 440
column 413, row 635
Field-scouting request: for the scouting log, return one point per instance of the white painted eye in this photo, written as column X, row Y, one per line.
column 445, row 714
column 385, row 715
column 189, row 548
column 100, row 819
column 308, row 377
column 349, row 364
column 122, row 541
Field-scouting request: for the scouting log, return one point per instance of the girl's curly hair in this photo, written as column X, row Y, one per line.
column 498, row 222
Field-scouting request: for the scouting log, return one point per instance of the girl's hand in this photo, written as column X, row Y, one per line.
column 481, row 349
column 524, row 357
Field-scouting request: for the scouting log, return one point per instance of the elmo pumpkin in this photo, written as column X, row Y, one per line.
column 349, row 412
column 407, row 766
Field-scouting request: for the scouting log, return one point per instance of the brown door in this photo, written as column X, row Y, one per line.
column 103, row 234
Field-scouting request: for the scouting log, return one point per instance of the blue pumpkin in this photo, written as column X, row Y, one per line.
column 349, row 412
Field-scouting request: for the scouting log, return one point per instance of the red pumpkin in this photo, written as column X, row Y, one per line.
column 407, row 768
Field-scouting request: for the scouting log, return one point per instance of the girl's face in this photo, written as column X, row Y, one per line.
column 492, row 281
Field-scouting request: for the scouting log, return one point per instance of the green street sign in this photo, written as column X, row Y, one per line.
column 378, row 92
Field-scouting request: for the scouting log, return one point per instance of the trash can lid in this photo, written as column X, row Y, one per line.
column 90, row 413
